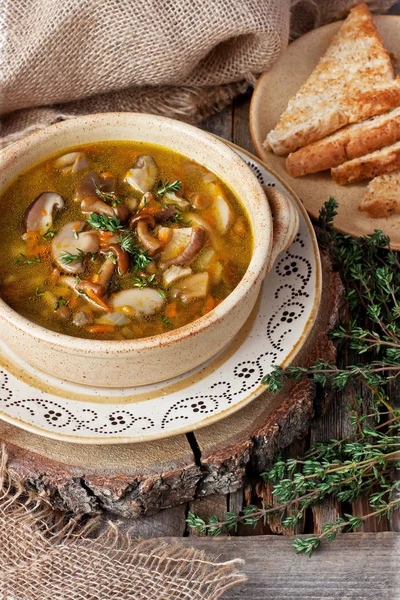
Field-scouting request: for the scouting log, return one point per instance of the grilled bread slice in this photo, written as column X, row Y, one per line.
column 354, row 80
column 369, row 166
column 382, row 197
column 349, row 142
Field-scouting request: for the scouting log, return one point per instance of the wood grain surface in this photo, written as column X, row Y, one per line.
column 356, row 567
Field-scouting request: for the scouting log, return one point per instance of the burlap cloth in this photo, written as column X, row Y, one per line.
column 182, row 58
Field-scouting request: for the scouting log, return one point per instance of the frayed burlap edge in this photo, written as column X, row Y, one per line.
column 189, row 104
column 43, row 554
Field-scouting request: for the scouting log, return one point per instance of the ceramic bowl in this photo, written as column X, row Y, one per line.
column 152, row 359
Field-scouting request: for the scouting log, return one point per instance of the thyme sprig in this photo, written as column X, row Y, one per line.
column 364, row 463
column 104, row 222
column 168, row 186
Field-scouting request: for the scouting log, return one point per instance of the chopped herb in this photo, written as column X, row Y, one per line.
column 78, row 278
column 60, row 302
column 112, row 256
column 67, row 258
column 38, row 294
column 107, row 196
column 24, row 260
column 76, row 235
column 179, row 219
column 139, row 257
column 166, row 321
column 142, row 282
column 50, row 233
column 168, row 186
column 104, row 222
column 162, row 293
column 126, row 242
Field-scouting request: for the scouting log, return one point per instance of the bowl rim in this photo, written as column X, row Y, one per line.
column 255, row 272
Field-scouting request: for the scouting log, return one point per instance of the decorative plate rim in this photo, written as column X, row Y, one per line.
column 228, row 411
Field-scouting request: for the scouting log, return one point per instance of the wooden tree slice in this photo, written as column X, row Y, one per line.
column 132, row 480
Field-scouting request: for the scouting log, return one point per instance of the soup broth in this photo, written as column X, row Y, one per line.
column 120, row 240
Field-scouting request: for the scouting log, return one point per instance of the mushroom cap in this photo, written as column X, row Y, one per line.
column 138, row 302
column 71, row 162
column 39, row 214
column 144, row 173
column 72, row 239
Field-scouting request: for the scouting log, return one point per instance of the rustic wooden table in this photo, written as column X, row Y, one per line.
column 361, row 565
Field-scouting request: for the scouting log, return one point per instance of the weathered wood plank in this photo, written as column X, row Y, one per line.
column 220, row 123
column 354, row 567
column 241, row 129
column 214, row 505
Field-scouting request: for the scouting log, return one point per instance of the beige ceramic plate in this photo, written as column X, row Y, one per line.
column 269, row 100
column 277, row 329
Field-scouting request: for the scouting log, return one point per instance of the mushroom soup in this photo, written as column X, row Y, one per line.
column 120, row 240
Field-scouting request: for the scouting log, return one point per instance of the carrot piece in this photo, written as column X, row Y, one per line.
column 107, row 175
column 100, row 328
column 105, row 237
column 210, row 219
column 76, row 227
column 95, row 278
column 42, row 249
column 163, row 236
column 30, row 235
column 90, row 293
column 208, row 305
column 170, row 310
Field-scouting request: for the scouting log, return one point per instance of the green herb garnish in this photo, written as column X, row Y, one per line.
column 180, row 220
column 38, row 294
column 166, row 321
column 366, row 463
column 108, row 197
column 50, row 233
column 162, row 293
column 104, row 222
column 139, row 257
column 60, row 302
column 24, row 260
column 67, row 257
column 142, row 282
column 168, row 186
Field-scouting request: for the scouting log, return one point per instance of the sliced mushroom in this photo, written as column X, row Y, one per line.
column 113, row 318
column 144, row 173
column 221, row 210
column 166, row 213
column 152, row 244
column 199, row 201
column 174, row 273
column 172, row 198
column 194, row 246
column 39, row 214
column 88, row 193
column 82, row 318
column 71, row 239
column 138, row 302
column 222, row 213
column 142, row 216
column 178, row 239
column 214, row 239
column 193, row 287
column 121, row 255
column 105, row 274
column 72, row 162
column 83, row 287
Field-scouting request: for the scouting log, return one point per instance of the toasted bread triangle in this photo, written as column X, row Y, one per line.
column 354, row 80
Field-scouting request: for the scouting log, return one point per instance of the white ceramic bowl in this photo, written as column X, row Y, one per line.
column 156, row 358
